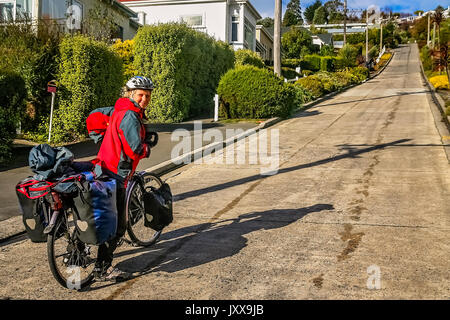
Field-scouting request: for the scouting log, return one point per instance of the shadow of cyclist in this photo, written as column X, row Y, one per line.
column 199, row 244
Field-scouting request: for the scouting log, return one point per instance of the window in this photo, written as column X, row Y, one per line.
column 193, row 20
column 234, row 28
column 12, row 10
column 249, row 35
column 68, row 12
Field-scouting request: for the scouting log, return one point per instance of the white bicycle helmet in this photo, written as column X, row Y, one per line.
column 139, row 82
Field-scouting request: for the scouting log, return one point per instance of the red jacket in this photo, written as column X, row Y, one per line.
column 123, row 144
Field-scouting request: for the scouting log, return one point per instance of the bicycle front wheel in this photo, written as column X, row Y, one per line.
column 138, row 232
column 71, row 261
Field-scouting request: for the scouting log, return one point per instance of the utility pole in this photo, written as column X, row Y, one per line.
column 381, row 35
column 367, row 36
column 277, row 39
column 434, row 35
column 345, row 22
column 428, row 30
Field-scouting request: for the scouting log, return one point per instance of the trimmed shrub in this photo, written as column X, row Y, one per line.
column 246, row 56
column 313, row 85
column 312, row 62
column 250, row 92
column 33, row 56
column 125, row 50
column 302, row 95
column 186, row 66
column 287, row 73
column 291, row 63
column 12, row 106
column 327, row 63
column 345, row 78
column 361, row 73
column 90, row 76
column 329, row 81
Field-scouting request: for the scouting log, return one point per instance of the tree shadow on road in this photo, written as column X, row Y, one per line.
column 351, row 152
column 200, row 244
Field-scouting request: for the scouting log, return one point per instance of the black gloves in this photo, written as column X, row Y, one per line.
column 151, row 138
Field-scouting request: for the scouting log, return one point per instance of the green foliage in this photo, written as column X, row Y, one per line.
column 34, row 57
column 291, row 63
column 125, row 50
column 373, row 52
column 295, row 41
column 348, row 54
column 362, row 73
column 254, row 93
column 327, row 63
column 325, row 82
column 12, row 96
column 310, row 10
column 266, row 22
column 246, row 56
column 186, row 66
column 293, row 14
column 327, row 50
column 320, row 15
column 312, row 62
column 313, row 85
column 90, row 76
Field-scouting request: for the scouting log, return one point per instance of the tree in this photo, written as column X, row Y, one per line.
column 293, row 14
column 309, row 11
column 266, row 22
column 348, row 54
column 320, row 15
column 294, row 41
column 334, row 8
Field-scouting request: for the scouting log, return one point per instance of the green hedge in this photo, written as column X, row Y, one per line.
column 33, row 56
column 362, row 73
column 254, row 93
column 12, row 106
column 186, row 66
column 246, row 56
column 325, row 82
column 313, row 85
column 312, row 62
column 90, row 76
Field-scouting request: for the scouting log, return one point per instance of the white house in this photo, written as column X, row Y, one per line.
column 232, row 21
column 69, row 14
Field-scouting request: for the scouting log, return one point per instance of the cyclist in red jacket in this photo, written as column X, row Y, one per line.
column 122, row 148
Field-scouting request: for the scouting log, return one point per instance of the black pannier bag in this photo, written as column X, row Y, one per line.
column 158, row 207
column 35, row 208
column 96, row 211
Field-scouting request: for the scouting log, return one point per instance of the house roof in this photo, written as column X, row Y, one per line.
column 325, row 37
column 247, row 2
column 123, row 8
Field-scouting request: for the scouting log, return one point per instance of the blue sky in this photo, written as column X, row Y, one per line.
column 266, row 7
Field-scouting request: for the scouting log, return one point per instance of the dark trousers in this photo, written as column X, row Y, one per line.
column 106, row 250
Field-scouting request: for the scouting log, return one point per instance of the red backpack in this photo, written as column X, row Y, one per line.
column 97, row 122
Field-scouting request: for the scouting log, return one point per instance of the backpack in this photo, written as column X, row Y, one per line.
column 35, row 208
column 97, row 122
column 158, row 207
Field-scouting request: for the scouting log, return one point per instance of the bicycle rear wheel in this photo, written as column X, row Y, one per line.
column 138, row 232
column 71, row 261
